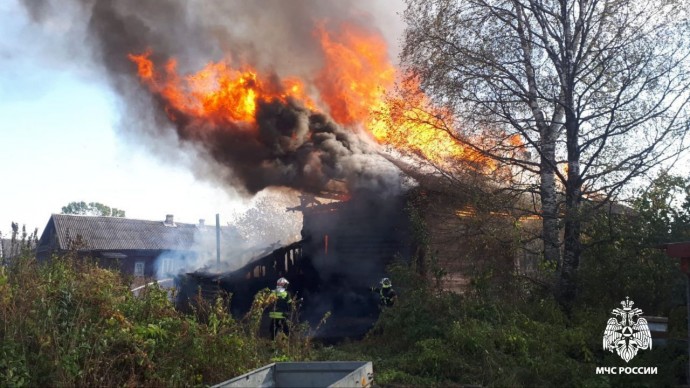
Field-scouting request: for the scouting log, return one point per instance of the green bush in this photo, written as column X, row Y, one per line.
column 434, row 338
column 71, row 323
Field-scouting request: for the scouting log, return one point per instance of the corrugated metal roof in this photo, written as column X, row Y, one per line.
column 117, row 233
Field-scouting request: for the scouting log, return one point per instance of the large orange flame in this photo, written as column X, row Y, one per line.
column 218, row 92
column 355, row 85
column 356, row 73
column 409, row 121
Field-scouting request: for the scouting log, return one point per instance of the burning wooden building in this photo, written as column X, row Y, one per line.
column 347, row 244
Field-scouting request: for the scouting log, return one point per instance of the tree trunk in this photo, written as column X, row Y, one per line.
column 547, row 135
column 549, row 200
column 567, row 289
column 567, row 286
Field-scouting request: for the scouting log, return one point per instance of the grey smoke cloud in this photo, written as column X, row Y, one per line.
column 296, row 147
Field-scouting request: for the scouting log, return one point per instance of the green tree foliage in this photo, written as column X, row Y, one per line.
column 92, row 209
column 663, row 210
column 623, row 257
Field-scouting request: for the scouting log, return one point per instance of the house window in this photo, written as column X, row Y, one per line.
column 168, row 267
column 139, row 268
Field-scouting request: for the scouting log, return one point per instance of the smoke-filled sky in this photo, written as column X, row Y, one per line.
column 73, row 125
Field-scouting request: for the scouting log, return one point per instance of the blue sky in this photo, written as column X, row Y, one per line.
column 59, row 143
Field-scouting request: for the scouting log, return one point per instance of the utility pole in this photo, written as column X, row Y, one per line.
column 218, row 241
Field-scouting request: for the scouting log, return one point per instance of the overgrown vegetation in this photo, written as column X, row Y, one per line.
column 440, row 338
column 510, row 331
column 503, row 336
column 71, row 323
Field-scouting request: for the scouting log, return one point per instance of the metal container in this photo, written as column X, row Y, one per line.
column 307, row 375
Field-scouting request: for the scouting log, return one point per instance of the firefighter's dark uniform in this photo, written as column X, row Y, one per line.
column 280, row 312
column 387, row 295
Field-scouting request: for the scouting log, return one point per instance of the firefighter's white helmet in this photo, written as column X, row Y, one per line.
column 282, row 282
column 386, row 283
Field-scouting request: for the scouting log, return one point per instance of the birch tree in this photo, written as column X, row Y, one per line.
column 596, row 90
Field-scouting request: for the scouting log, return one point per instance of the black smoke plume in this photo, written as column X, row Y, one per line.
column 296, row 147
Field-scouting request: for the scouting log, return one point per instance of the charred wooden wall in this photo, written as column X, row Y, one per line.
column 354, row 240
column 245, row 282
column 345, row 249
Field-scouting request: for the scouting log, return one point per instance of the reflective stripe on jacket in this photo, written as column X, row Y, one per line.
column 281, row 306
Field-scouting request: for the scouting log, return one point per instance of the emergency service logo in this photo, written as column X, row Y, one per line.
column 628, row 333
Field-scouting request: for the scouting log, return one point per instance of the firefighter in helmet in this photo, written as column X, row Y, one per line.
column 387, row 294
column 281, row 308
